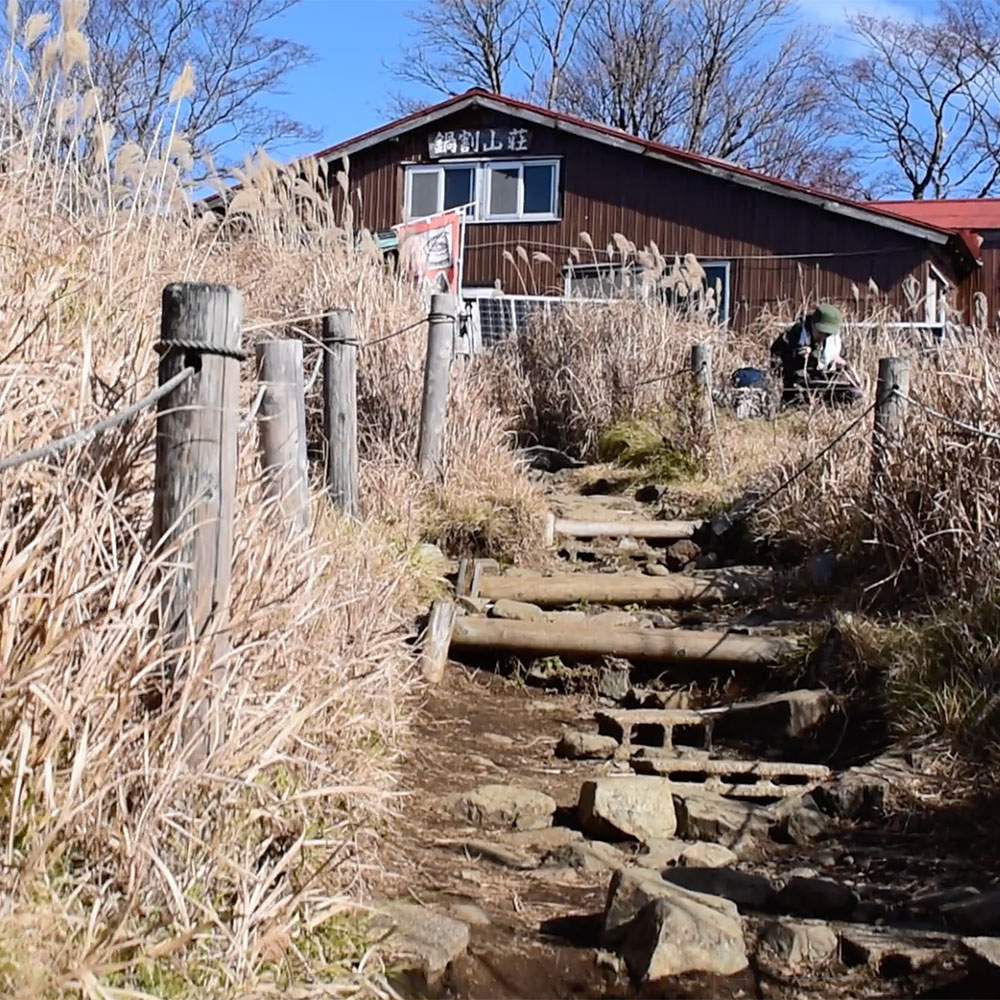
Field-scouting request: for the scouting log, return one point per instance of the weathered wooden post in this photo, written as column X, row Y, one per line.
column 195, row 483
column 440, row 345
column 281, row 428
column 890, row 408
column 340, row 409
column 701, row 368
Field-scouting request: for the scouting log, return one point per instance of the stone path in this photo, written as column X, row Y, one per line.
column 605, row 831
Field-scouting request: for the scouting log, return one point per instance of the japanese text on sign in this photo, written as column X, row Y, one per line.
column 478, row 141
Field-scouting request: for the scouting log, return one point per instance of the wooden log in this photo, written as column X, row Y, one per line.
column 281, row 429
column 624, row 529
column 664, row 645
column 437, row 365
column 600, row 588
column 340, row 410
column 437, row 641
column 890, row 409
column 195, row 485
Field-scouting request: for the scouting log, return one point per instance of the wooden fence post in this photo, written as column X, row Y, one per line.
column 195, row 482
column 701, row 368
column 281, row 428
column 890, row 408
column 440, row 345
column 340, row 409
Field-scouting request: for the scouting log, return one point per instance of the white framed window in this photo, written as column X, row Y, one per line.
column 936, row 299
column 492, row 190
column 521, row 190
column 434, row 189
column 614, row 280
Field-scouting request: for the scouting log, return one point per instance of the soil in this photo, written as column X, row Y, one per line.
column 542, row 937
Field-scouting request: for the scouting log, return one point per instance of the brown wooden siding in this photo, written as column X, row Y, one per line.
column 985, row 279
column 783, row 252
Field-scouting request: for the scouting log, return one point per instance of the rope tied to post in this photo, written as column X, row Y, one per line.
column 163, row 347
column 59, row 445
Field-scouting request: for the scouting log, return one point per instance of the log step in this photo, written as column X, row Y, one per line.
column 671, row 530
column 563, row 589
column 658, row 645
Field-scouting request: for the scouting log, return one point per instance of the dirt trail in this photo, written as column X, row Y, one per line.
column 535, row 907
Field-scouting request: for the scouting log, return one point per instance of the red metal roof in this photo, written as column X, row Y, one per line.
column 949, row 213
column 681, row 155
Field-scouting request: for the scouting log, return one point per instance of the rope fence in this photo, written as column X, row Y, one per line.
column 960, row 424
column 59, row 445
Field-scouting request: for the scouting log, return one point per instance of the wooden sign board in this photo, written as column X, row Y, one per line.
column 478, row 142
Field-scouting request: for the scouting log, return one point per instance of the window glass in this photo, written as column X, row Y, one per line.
column 538, row 183
column 504, row 182
column 458, row 186
column 424, row 193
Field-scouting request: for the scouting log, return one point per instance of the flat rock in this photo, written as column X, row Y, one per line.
column 793, row 946
column 790, row 714
column 656, row 569
column 858, row 793
column 517, row 611
column 702, row 816
column 585, row 856
column 680, row 554
column 472, row 605
column 979, row 914
column 498, row 739
column 499, row 854
column 566, row 617
column 983, row 955
column 748, row 892
column 421, row 940
column 469, row 913
column 543, row 839
column 889, row 953
column 640, row 808
column 817, row 897
column 684, row 932
column 612, row 619
column 661, row 853
column 706, row 855
column 502, row 806
column 614, row 679
column 801, row 820
column 574, row 745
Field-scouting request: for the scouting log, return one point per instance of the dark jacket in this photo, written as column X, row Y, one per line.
column 784, row 351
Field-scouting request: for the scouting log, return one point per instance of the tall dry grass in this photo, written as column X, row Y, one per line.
column 126, row 871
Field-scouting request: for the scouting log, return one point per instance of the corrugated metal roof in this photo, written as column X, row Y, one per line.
column 949, row 213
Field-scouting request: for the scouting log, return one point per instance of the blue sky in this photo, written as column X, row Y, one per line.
column 347, row 91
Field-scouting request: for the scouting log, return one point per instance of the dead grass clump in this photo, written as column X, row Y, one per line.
column 128, row 870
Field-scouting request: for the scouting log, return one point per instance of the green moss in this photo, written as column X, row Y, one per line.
column 642, row 445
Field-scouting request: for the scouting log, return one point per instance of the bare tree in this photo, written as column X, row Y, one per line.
column 227, row 49
column 554, row 28
column 922, row 97
column 461, row 44
column 625, row 69
column 732, row 79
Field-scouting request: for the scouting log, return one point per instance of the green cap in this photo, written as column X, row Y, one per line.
column 826, row 319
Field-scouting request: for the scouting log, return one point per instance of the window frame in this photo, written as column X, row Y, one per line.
column 478, row 210
column 489, row 166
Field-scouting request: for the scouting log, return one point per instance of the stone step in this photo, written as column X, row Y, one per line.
column 656, row 727
column 780, row 715
column 744, row 778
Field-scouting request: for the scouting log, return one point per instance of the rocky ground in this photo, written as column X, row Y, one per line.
column 602, row 830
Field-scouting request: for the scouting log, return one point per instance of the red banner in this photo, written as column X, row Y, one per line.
column 430, row 252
